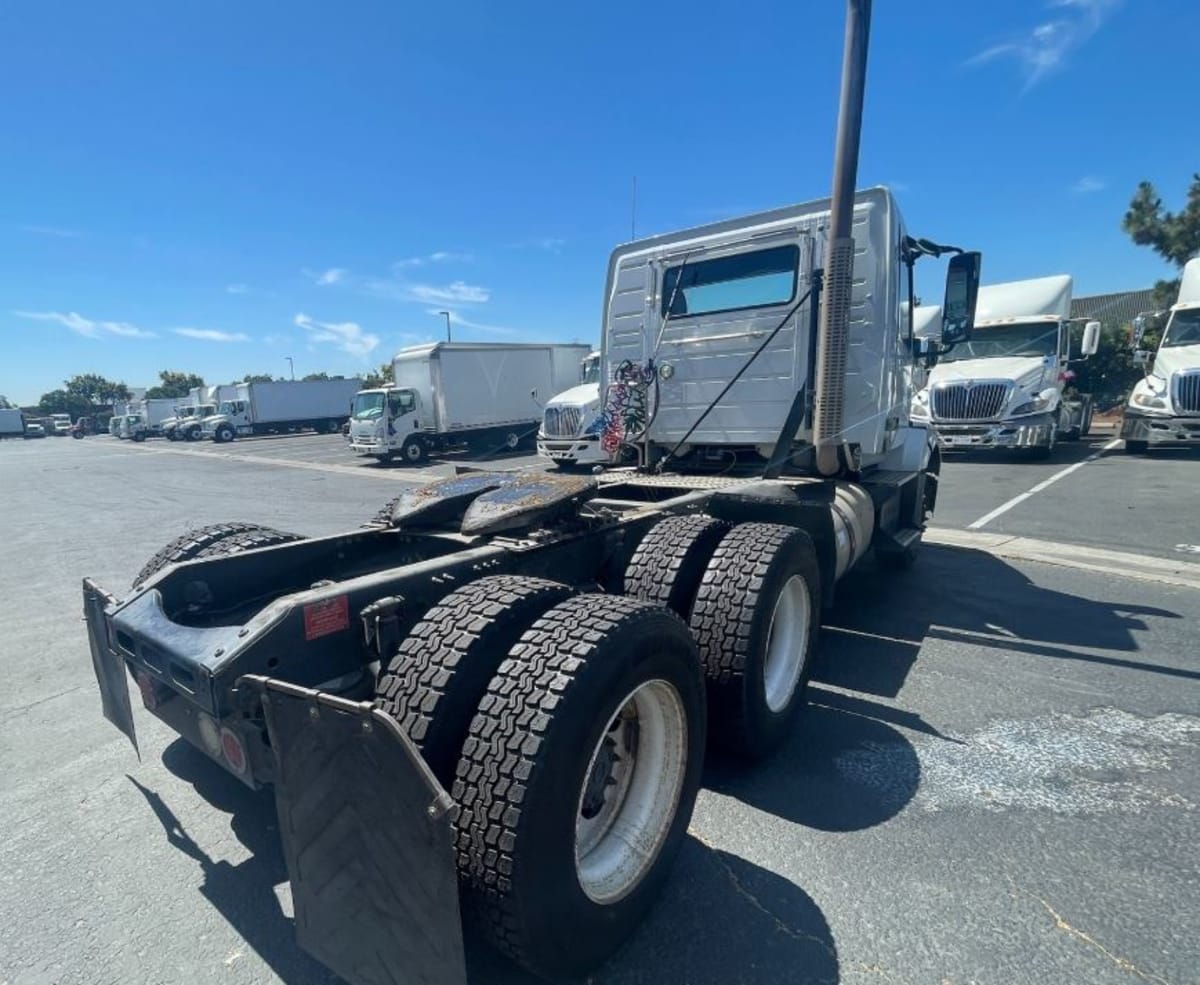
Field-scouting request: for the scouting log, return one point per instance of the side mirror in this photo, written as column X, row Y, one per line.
column 534, row 397
column 1091, row 339
column 1139, row 329
column 962, row 291
column 1141, row 357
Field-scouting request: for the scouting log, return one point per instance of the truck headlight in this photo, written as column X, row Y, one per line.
column 1037, row 405
column 919, row 408
column 1150, row 400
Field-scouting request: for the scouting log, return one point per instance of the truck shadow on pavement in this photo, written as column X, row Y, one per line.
column 770, row 930
column 971, row 597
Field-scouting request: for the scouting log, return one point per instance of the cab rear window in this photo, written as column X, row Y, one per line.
column 732, row 283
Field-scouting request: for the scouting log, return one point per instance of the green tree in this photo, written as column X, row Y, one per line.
column 375, row 380
column 95, row 389
column 256, row 378
column 174, row 384
column 316, row 376
column 64, row 402
column 4, row 403
column 1174, row 236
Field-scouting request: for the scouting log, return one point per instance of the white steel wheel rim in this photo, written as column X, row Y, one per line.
column 787, row 643
column 641, row 757
column 512, row 440
column 412, row 451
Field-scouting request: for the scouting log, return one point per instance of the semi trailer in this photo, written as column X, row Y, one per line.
column 571, row 422
column 496, row 695
column 281, row 407
column 1164, row 406
column 12, row 423
column 480, row 395
column 1010, row 386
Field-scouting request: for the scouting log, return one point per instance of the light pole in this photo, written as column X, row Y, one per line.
column 292, row 366
column 447, row 314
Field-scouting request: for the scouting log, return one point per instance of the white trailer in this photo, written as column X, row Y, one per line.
column 278, row 408
column 484, row 395
column 1164, row 406
column 1009, row 387
column 12, row 423
column 571, row 422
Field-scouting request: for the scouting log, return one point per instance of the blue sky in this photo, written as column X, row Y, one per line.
column 213, row 187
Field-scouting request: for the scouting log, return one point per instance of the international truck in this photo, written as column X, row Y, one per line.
column 201, row 402
column 12, row 423
column 282, row 407
column 497, row 694
column 1009, row 387
column 569, row 434
column 1164, row 407
column 479, row 395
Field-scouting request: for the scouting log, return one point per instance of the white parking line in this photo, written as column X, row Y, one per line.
column 987, row 518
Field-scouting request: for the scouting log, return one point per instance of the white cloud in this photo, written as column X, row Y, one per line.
column 347, row 336
column 54, row 231
column 237, row 289
column 551, row 244
column 458, row 292
column 458, row 321
column 211, row 335
column 86, row 326
column 1047, row 46
column 440, row 256
column 334, row 275
column 1087, row 184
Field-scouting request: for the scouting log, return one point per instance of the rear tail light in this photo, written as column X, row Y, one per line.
column 233, row 750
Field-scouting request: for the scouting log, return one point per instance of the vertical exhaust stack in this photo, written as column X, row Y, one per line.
column 830, row 398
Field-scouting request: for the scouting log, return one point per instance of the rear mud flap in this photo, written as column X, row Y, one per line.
column 109, row 666
column 368, row 840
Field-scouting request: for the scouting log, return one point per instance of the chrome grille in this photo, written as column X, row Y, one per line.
column 561, row 422
column 968, row 401
column 1187, row 391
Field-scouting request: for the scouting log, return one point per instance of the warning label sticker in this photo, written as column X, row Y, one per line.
column 323, row 618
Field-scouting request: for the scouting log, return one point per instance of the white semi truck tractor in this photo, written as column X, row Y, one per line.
column 571, row 422
column 1164, row 407
column 1009, row 386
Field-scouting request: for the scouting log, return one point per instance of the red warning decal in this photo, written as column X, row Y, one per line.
column 323, row 618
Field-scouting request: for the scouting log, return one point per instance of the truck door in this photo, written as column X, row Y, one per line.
column 401, row 413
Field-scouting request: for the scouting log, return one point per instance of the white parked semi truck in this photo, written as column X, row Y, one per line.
column 1164, row 406
column 483, row 395
column 571, row 422
column 1009, row 387
column 281, row 407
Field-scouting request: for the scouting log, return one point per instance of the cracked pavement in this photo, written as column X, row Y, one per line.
column 996, row 781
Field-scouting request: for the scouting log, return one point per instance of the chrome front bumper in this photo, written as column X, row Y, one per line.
column 1036, row 431
column 571, row 450
column 1160, row 430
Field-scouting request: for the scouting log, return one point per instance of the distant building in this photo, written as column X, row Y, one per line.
column 1113, row 309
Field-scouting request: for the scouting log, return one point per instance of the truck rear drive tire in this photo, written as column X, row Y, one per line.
column 216, row 540
column 755, row 620
column 669, row 562
column 578, row 780
column 433, row 684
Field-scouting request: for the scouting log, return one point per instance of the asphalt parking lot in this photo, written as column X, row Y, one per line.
column 997, row 780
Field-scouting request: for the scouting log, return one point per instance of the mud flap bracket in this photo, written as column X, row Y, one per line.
column 368, row 840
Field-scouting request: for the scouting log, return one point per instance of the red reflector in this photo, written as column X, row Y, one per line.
column 235, row 752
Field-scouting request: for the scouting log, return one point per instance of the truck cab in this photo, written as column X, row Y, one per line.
column 385, row 420
column 571, row 422
column 1009, row 387
column 62, row 424
column 133, row 427
column 232, row 418
column 1164, row 406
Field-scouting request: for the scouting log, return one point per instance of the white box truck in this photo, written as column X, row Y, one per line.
column 484, row 395
column 61, row 425
column 281, row 407
column 1164, row 406
column 571, row 421
column 201, row 402
column 12, row 423
column 1009, row 387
